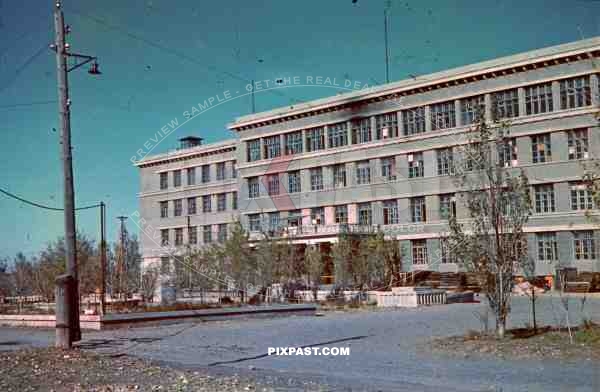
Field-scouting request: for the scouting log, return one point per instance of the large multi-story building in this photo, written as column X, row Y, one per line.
column 188, row 198
column 382, row 158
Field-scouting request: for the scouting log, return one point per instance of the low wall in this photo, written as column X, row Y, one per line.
column 409, row 297
column 46, row 321
column 307, row 295
column 126, row 320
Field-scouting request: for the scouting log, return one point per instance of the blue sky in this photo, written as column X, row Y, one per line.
column 159, row 60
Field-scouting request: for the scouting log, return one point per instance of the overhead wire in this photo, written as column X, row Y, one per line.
column 171, row 51
column 42, row 206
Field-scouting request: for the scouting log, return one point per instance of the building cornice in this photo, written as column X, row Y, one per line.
column 565, row 53
column 228, row 145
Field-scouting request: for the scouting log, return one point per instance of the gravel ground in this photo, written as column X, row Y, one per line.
column 49, row 369
column 384, row 350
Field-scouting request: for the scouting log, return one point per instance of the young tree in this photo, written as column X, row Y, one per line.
column 363, row 263
column 529, row 273
column 238, row 260
column 314, row 267
column 267, row 253
column 124, row 275
column 6, row 286
column 341, row 255
column 497, row 199
column 22, row 275
column 149, row 283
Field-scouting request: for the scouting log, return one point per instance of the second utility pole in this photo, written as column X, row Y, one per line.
column 67, row 160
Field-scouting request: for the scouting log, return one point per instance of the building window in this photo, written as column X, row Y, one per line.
column 233, row 170
column 541, row 148
column 575, row 92
column 387, row 168
column 274, row 221
column 446, row 254
column 220, row 171
column 445, row 161
column 386, row 125
column 253, row 150
column 293, row 143
column 254, row 222
column 294, row 182
column 164, row 209
column 315, row 139
column 341, row 214
column 442, row 115
column 192, row 235
column 415, row 165
column 191, row 176
column 472, row 156
column 363, row 173
column 253, row 188
column 206, row 203
column 538, row 99
column 413, row 121
column 578, row 143
column 164, row 237
column 294, row 218
column 273, row 184
column 164, row 180
column 178, row 236
column 419, row 252
column 584, row 245
column 316, row 179
column 337, row 135
column 272, row 147
column 191, row 205
column 205, row 173
column 505, row 104
column 165, row 265
column 544, row 198
column 361, row 131
column 365, row 217
column 234, row 200
column 390, row 212
column 177, row 207
column 222, row 232
column 176, row 178
column 221, row 202
column 472, row 109
column 581, row 197
column 547, row 247
column 507, row 152
column 317, row 216
column 207, row 234
column 339, row 176
column 417, row 209
column 447, row 206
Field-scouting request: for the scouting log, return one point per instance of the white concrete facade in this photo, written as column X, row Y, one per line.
column 393, row 160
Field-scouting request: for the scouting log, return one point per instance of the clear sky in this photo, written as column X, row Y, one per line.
column 160, row 58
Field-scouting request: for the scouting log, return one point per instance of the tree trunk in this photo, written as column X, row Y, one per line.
column 500, row 329
column 533, row 309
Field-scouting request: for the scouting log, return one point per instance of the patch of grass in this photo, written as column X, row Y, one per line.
column 587, row 336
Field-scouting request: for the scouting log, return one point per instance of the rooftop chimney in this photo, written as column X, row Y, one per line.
column 189, row 142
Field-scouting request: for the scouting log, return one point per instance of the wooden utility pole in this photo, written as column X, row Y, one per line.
column 70, row 299
column 69, row 193
column 122, row 264
column 102, row 258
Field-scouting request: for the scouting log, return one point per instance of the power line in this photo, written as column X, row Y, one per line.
column 28, row 104
column 173, row 52
column 42, row 206
column 23, row 66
